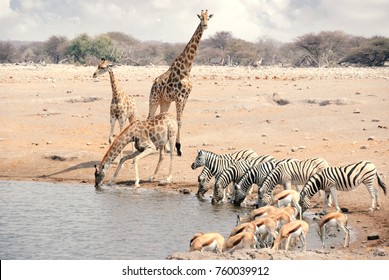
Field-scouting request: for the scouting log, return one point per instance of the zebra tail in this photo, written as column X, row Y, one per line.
column 381, row 183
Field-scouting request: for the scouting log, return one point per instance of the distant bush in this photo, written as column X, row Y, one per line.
column 372, row 52
column 326, row 48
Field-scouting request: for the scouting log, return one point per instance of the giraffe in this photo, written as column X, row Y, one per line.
column 174, row 84
column 149, row 136
column 122, row 105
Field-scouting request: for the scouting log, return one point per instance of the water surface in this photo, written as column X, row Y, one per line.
column 65, row 221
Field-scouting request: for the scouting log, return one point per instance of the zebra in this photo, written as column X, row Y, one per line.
column 345, row 178
column 256, row 175
column 225, row 177
column 294, row 172
column 205, row 176
column 217, row 165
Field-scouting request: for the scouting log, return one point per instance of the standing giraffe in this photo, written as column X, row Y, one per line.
column 149, row 136
column 175, row 84
column 123, row 106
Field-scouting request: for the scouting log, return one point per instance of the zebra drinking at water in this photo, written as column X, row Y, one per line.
column 227, row 176
column 256, row 175
column 294, row 172
column 205, row 176
column 344, row 178
column 216, row 164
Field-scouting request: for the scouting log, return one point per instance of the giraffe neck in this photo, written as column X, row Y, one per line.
column 114, row 85
column 185, row 60
column 125, row 137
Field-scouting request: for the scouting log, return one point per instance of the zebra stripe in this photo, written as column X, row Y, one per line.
column 231, row 174
column 255, row 175
column 294, row 172
column 205, row 176
column 344, row 178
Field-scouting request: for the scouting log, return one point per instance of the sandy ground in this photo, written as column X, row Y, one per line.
column 55, row 126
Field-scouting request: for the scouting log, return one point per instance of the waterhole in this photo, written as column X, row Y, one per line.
column 42, row 220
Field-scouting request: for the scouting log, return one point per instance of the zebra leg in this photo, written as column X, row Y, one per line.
column 377, row 199
column 225, row 194
column 326, row 196
column 374, row 199
column 335, row 197
column 373, row 196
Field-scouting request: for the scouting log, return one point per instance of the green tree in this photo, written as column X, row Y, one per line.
column 80, row 47
column 102, row 46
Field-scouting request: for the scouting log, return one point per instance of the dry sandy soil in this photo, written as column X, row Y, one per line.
column 55, row 126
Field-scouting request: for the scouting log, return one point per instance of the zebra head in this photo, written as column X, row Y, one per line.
column 217, row 196
column 304, row 202
column 264, row 198
column 99, row 176
column 199, row 160
column 203, row 186
column 239, row 195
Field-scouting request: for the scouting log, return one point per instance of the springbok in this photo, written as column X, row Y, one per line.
column 211, row 241
column 243, row 240
column 242, row 228
column 264, row 227
column 281, row 217
column 298, row 228
column 293, row 211
column 257, row 213
column 288, row 197
column 334, row 219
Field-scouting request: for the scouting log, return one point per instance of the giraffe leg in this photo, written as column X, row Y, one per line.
column 122, row 160
column 122, row 121
column 180, row 109
column 161, row 156
column 112, row 121
column 149, row 150
column 171, row 144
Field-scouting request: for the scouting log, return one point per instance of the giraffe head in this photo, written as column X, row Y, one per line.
column 102, row 67
column 204, row 17
column 99, row 176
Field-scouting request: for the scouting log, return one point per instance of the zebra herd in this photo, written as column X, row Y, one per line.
column 245, row 168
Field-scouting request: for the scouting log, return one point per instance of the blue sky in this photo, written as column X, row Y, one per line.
column 175, row 21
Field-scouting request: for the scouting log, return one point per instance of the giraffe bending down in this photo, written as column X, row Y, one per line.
column 123, row 106
column 174, row 85
column 149, row 136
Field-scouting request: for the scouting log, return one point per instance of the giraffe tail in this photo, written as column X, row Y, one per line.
column 178, row 147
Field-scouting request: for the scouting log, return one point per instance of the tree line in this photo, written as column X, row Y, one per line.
column 323, row 49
